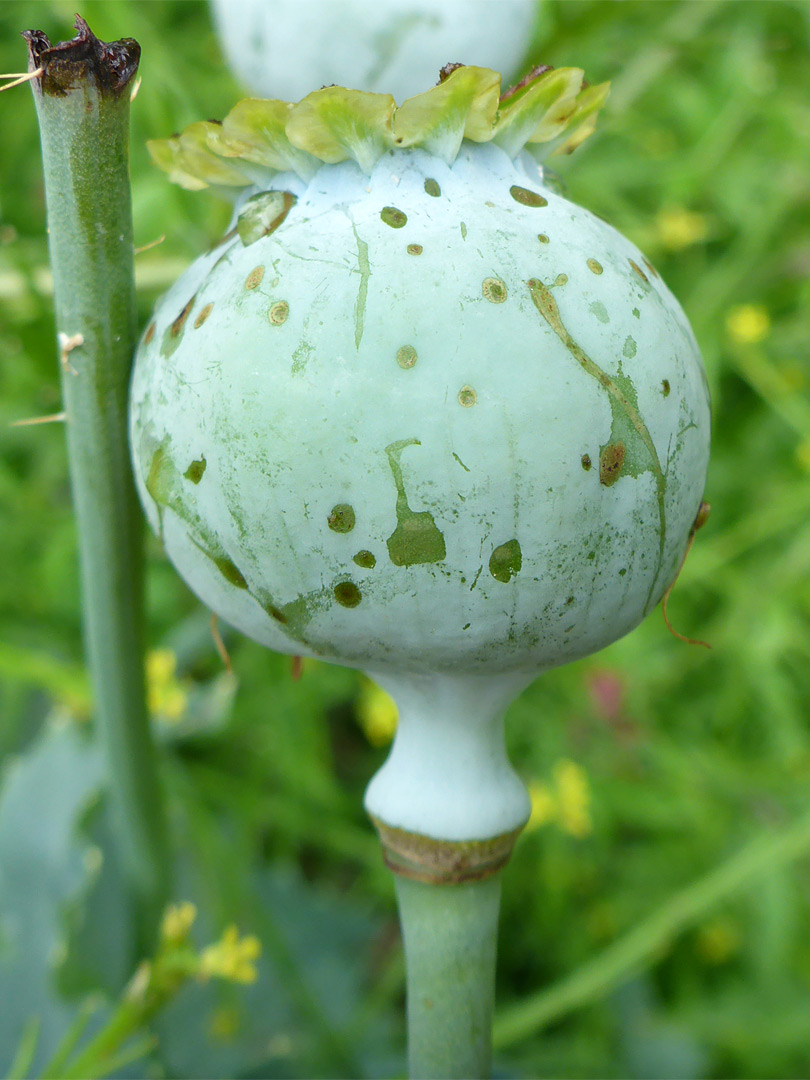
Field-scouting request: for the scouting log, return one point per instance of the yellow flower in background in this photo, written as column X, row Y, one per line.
column 566, row 802
column 232, row 958
column 679, row 228
column 573, row 798
column 224, row 1023
column 544, row 805
column 177, row 921
column 377, row 713
column 165, row 695
column 748, row 324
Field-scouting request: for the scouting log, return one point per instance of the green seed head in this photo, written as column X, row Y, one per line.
column 484, row 459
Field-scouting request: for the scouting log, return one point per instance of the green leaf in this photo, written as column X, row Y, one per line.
column 42, row 866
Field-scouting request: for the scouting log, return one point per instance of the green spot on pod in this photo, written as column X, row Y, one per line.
column 347, row 594
column 416, row 538
column 506, row 561
column 467, row 397
column 174, row 333
column 262, row 214
column 542, row 238
column 494, row 290
column 432, row 188
column 278, row 313
column 415, row 249
column 406, row 356
column 610, row 463
column 195, row 471
column 665, row 387
column 150, row 333
column 341, row 518
column 366, row 559
column 158, row 478
column 230, row 571
column 594, row 266
column 526, row 197
column 393, row 217
column 629, row 349
column 600, row 311
column 586, row 462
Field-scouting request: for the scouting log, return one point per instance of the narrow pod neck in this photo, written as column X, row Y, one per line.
column 447, row 803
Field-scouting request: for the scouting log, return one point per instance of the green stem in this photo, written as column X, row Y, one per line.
column 631, row 953
column 94, row 1059
column 450, row 938
column 82, row 100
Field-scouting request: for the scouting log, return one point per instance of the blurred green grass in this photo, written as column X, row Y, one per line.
column 685, row 755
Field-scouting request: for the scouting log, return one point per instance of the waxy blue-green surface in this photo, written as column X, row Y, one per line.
column 280, row 49
column 493, row 381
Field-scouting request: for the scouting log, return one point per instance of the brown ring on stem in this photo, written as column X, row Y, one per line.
column 443, row 862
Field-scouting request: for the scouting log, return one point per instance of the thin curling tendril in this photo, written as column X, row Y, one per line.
column 700, row 521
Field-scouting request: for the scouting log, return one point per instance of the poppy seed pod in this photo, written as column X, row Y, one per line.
column 418, row 413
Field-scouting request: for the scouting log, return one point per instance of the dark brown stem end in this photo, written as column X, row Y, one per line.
column 68, row 65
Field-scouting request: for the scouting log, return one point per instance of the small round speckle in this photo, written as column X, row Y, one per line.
column 278, row 312
column 611, row 463
column 415, row 249
column 526, row 197
column 432, row 188
column 665, row 387
column 341, row 518
column 204, row 313
column 393, row 217
column 494, row 290
column 467, row 397
column 366, row 559
column 561, row 279
column 406, row 356
column 594, row 266
column 176, row 329
column 150, row 333
column 586, row 462
column 254, row 278
column 347, row 594
column 637, row 269
column 542, row 238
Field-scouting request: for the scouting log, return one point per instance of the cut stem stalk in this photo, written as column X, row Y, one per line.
column 82, row 101
column 450, row 934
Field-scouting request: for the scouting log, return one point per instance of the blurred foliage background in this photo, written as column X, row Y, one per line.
column 655, row 918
